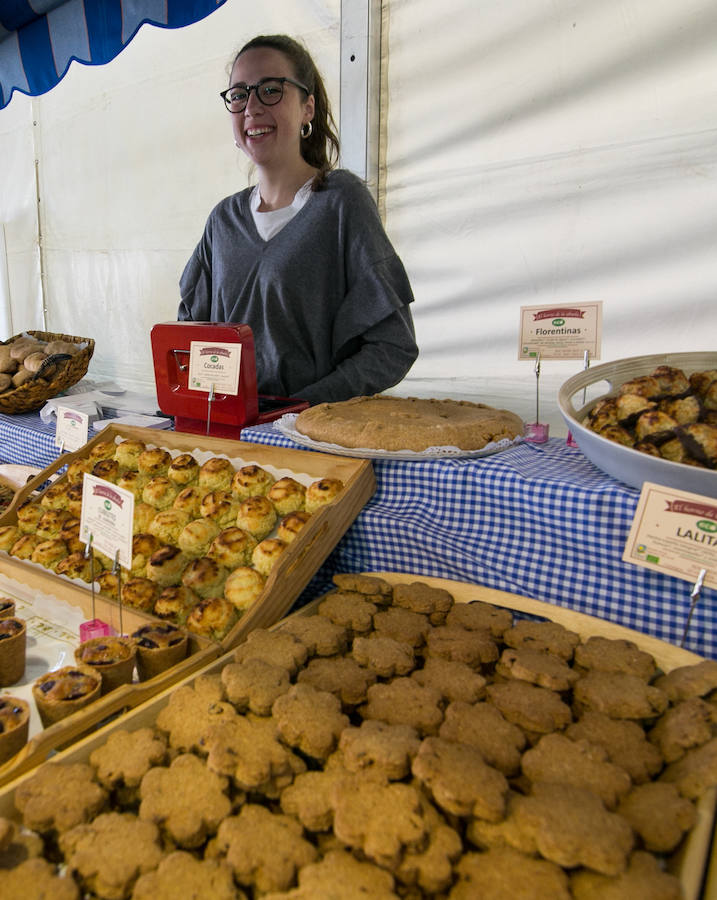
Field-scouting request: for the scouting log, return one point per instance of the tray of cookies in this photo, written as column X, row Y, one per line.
column 198, row 581
column 410, row 737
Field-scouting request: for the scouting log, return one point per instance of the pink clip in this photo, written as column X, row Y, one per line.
column 536, row 432
column 95, row 628
column 570, row 440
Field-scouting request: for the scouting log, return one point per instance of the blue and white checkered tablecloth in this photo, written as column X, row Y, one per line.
column 26, row 440
column 538, row 520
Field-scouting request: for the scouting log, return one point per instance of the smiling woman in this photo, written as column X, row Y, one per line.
column 302, row 257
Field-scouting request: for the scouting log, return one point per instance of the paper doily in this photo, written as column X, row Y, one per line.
column 286, row 425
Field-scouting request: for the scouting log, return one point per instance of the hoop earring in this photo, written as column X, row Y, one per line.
column 306, row 130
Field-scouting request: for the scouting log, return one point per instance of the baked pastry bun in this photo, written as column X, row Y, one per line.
column 132, row 481
column 107, row 469
column 221, row 506
column 266, row 554
column 166, row 565
column 74, row 498
column 205, row 577
column 213, row 617
column 183, row 470
column 232, row 547
column 243, row 587
column 55, row 497
column 216, row 474
column 9, row 535
column 196, row 536
column 75, row 566
column 108, row 583
column 257, row 515
column 24, row 547
column 51, row 523
column 28, row 515
column 77, row 468
column 160, row 492
column 190, row 500
column 167, row 525
column 155, row 461
column 49, row 553
column 291, row 525
column 70, row 534
column 127, row 453
column 251, row 481
column 141, row 593
column 287, row 495
column 144, row 545
column 143, row 515
column 101, row 450
column 321, row 492
column 175, row 602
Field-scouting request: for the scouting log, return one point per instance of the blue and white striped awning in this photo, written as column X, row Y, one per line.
column 40, row 38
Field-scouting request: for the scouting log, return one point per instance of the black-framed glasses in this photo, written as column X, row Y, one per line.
column 269, row 91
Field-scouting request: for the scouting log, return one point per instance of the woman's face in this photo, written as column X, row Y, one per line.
column 269, row 135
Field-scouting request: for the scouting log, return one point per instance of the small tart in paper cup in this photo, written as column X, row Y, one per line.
column 14, row 726
column 112, row 657
column 60, row 693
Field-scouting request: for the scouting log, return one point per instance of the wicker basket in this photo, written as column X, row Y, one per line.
column 35, row 393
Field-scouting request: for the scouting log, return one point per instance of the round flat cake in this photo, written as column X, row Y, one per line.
column 382, row 422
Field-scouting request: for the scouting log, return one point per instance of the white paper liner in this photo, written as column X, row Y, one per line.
column 286, row 425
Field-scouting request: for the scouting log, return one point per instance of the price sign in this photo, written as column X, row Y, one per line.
column 674, row 532
column 107, row 515
column 214, row 366
column 560, row 332
column 72, row 428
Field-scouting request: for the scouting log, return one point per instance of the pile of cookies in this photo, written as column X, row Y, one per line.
column 665, row 414
column 392, row 744
column 206, row 535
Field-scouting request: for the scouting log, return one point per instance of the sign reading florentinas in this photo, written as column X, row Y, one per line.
column 560, row 332
column 674, row 532
column 214, row 366
column 107, row 515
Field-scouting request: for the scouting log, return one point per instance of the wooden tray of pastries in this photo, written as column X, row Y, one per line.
column 315, row 499
column 350, row 743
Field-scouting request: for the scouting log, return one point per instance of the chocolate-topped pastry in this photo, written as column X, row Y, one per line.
column 112, row 657
column 183, row 470
column 60, row 693
column 13, row 639
column 158, row 648
column 14, row 726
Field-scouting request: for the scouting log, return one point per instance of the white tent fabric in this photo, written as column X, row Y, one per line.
column 535, row 153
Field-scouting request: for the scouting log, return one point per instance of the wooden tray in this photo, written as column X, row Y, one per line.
column 292, row 573
column 695, row 864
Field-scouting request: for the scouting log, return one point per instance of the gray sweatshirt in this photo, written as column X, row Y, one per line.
column 326, row 298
